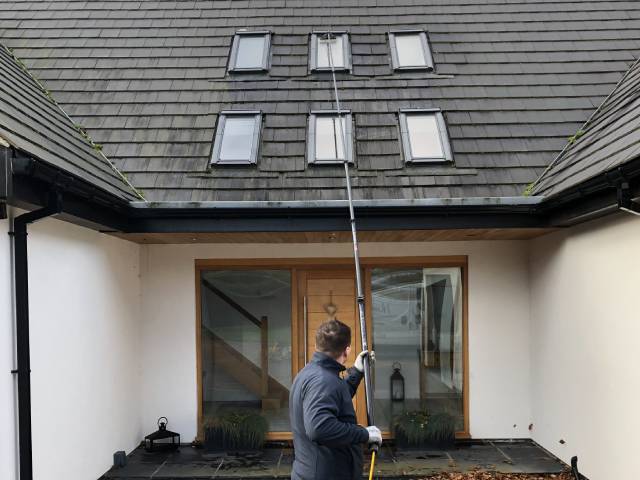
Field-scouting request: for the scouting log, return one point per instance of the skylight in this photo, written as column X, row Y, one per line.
column 410, row 50
column 250, row 51
column 237, row 138
column 424, row 136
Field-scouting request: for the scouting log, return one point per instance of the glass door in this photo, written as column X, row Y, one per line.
column 245, row 344
column 417, row 317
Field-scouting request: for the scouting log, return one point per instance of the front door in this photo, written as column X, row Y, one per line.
column 325, row 295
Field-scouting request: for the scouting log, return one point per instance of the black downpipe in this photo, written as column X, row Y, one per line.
column 21, row 279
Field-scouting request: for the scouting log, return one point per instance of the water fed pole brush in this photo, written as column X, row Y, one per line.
column 341, row 133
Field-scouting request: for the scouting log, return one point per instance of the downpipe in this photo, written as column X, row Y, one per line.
column 21, row 293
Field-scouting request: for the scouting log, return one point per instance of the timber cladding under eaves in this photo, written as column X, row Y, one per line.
column 147, row 79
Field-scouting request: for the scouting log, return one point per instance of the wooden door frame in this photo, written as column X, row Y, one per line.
column 295, row 266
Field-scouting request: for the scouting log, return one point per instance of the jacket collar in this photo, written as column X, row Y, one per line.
column 325, row 361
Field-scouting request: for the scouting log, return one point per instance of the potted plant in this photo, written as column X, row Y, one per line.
column 419, row 429
column 235, row 430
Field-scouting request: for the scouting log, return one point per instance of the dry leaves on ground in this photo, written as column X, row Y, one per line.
column 498, row 476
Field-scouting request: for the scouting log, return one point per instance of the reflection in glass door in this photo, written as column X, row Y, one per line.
column 418, row 326
column 246, row 343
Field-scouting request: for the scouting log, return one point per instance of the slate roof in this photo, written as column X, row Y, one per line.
column 147, row 78
column 610, row 138
column 30, row 121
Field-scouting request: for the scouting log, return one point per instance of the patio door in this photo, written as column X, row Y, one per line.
column 324, row 295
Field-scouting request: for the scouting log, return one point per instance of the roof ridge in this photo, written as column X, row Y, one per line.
column 96, row 147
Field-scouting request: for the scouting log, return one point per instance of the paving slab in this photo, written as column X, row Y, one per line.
column 188, row 463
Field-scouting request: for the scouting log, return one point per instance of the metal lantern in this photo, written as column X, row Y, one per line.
column 397, row 384
column 158, row 440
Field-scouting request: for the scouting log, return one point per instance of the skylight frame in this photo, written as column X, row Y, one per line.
column 447, row 153
column 219, row 136
column 426, row 50
column 311, row 137
column 346, row 52
column 235, row 46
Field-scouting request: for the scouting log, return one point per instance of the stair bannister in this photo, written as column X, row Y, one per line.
column 264, row 355
column 263, row 324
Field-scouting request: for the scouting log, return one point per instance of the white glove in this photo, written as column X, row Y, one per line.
column 359, row 363
column 375, row 435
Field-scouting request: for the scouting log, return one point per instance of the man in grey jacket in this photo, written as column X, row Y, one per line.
column 327, row 441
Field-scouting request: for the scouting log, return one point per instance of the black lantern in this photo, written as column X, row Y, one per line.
column 397, row 384
column 159, row 440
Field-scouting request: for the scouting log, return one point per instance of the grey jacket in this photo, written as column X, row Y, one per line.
column 327, row 441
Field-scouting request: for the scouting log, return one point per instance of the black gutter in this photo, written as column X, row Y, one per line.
column 84, row 204
column 21, row 279
column 595, row 197
column 88, row 206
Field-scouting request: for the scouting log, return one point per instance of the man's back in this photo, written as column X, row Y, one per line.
column 327, row 441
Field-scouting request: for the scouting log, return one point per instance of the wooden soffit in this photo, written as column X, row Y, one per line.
column 337, row 237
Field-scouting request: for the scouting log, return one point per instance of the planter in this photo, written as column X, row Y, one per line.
column 235, row 432
column 420, row 430
column 403, row 443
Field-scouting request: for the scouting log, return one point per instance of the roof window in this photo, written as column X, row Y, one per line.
column 250, row 52
column 329, row 136
column 410, row 50
column 424, row 136
column 237, row 138
column 336, row 43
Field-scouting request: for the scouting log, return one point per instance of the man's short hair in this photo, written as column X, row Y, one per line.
column 333, row 337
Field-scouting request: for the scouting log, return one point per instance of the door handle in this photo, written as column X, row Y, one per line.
column 304, row 326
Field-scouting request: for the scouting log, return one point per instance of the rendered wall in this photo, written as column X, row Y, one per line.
column 8, row 459
column 498, row 326
column 85, row 307
column 586, row 345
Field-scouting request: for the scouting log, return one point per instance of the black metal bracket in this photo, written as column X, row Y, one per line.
column 625, row 200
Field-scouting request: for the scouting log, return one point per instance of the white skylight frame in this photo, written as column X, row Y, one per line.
column 409, row 157
column 235, row 46
column 311, row 137
column 426, row 50
column 314, row 50
column 219, row 137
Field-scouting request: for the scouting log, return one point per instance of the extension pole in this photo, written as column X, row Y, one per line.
column 356, row 253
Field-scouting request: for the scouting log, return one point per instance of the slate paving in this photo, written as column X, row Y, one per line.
column 521, row 456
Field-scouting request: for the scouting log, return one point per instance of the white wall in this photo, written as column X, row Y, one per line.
column 8, row 461
column 85, row 308
column 498, row 326
column 586, row 345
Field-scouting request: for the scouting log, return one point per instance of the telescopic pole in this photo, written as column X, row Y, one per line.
column 354, row 237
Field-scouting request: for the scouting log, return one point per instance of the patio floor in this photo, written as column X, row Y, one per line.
column 522, row 456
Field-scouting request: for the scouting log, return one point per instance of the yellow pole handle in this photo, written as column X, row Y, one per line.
column 373, row 462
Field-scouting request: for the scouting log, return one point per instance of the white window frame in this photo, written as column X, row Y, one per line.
column 217, row 143
column 428, row 58
column 235, row 45
column 311, row 137
column 442, row 131
column 346, row 52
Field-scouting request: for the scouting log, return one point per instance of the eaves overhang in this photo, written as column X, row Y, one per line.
column 89, row 206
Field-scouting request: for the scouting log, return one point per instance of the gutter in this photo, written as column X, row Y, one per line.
column 21, row 292
column 504, row 202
